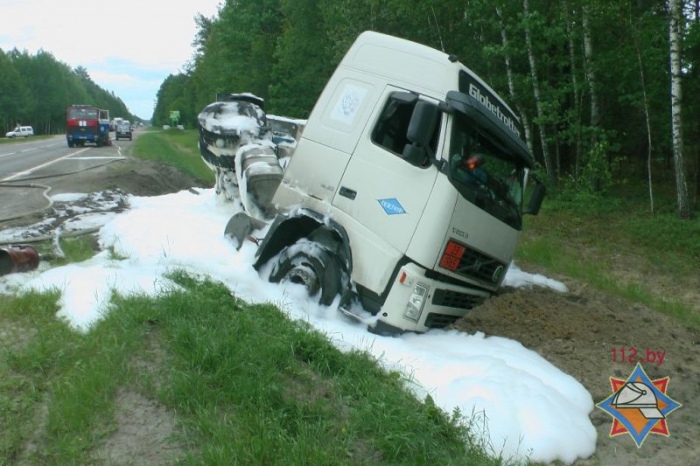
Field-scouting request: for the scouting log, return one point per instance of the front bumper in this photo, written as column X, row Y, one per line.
column 81, row 137
column 417, row 303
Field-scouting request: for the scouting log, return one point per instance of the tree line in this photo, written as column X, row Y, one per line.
column 36, row 89
column 605, row 90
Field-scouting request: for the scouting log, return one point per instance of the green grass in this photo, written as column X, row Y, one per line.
column 76, row 249
column 4, row 140
column 174, row 147
column 594, row 240
column 244, row 383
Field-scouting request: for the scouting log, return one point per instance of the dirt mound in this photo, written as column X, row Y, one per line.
column 134, row 176
column 584, row 333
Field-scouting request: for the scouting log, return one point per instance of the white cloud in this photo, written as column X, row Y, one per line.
column 146, row 39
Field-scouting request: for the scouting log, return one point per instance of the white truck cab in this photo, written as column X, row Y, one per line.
column 405, row 190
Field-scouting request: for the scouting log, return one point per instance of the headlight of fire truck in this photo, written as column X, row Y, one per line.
column 414, row 308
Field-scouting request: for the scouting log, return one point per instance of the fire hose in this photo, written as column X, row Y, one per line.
column 23, row 257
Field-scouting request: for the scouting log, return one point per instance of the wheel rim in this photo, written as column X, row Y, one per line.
column 313, row 267
column 304, row 274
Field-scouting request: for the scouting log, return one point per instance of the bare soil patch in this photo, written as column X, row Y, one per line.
column 578, row 330
column 145, row 434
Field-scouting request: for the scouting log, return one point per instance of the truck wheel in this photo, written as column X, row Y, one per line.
column 313, row 266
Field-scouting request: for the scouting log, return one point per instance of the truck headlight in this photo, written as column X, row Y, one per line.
column 414, row 308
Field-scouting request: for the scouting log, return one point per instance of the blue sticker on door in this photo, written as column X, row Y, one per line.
column 391, row 206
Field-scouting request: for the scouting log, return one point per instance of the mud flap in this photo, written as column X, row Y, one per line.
column 240, row 226
column 386, row 330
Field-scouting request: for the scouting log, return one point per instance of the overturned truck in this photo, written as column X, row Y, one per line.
column 247, row 149
column 403, row 192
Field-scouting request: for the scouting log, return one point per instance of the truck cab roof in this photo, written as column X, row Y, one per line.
column 422, row 70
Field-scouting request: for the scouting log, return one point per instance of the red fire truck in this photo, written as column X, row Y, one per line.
column 85, row 123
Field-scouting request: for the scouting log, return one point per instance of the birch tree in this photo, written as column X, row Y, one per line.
column 576, row 98
column 511, row 85
column 675, row 14
column 590, row 69
column 645, row 103
column 536, row 91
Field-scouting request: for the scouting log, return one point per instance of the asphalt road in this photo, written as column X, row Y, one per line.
column 30, row 158
column 29, row 167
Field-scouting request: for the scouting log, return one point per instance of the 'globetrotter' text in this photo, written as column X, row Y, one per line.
column 493, row 108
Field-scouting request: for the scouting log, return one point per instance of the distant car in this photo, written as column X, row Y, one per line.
column 20, row 131
column 123, row 130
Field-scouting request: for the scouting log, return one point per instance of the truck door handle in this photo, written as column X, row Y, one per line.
column 349, row 193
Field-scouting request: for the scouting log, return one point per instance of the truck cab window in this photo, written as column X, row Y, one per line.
column 391, row 131
column 485, row 174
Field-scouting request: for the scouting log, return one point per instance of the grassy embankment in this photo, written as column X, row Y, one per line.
column 613, row 242
column 240, row 384
column 5, row 140
column 174, row 147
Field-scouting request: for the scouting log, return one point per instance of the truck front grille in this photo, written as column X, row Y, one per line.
column 82, row 130
column 434, row 320
column 455, row 299
column 481, row 267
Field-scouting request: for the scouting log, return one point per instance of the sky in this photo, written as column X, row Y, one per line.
column 128, row 46
column 521, row 404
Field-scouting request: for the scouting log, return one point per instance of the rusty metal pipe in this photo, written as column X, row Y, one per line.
column 20, row 258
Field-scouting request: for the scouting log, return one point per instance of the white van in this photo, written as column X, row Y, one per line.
column 20, row 131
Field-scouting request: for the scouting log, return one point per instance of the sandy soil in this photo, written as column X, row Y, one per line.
column 583, row 332
column 577, row 331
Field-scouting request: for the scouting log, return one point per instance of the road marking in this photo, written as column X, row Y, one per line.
column 98, row 157
column 33, row 148
column 27, row 172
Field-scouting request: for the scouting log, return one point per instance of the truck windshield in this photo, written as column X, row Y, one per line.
column 484, row 173
column 82, row 114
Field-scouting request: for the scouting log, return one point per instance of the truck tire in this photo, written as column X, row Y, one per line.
column 313, row 266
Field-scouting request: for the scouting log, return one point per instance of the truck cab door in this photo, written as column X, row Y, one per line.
column 390, row 175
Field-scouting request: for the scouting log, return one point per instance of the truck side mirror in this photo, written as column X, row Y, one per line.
column 420, row 132
column 538, row 193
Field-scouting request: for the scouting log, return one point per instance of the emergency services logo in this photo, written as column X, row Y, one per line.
column 639, row 406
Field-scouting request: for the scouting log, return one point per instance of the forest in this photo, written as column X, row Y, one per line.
column 605, row 90
column 36, row 89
